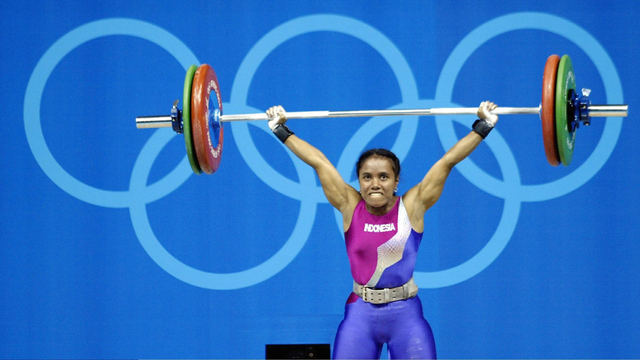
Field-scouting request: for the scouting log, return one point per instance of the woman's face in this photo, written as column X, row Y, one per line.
column 377, row 184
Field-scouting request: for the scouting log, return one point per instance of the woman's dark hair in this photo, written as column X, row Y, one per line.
column 395, row 163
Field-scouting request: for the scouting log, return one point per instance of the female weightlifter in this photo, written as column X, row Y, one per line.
column 382, row 234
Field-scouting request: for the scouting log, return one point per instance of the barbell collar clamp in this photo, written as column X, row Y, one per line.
column 176, row 118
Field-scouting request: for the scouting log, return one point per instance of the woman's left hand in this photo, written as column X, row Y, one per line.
column 484, row 112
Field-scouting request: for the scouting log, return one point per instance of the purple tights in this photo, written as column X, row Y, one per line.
column 400, row 324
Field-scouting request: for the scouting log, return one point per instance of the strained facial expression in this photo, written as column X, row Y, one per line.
column 377, row 182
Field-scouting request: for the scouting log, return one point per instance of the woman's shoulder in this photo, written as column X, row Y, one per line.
column 415, row 213
column 409, row 197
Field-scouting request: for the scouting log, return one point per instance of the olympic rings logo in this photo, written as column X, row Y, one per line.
column 306, row 191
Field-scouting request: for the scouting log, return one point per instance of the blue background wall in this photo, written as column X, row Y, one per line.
column 112, row 247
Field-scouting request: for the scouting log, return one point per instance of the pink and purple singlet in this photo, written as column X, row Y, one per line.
column 382, row 253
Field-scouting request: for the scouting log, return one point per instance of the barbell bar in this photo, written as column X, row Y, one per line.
column 561, row 111
column 145, row 122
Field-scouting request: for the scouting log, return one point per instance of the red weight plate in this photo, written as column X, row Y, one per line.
column 547, row 111
column 205, row 96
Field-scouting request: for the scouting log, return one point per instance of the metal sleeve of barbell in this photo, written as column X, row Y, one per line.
column 372, row 113
column 147, row 122
column 608, row 110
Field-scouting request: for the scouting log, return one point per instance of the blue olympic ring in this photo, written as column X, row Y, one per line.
column 513, row 191
column 139, row 194
column 33, row 96
column 208, row 280
column 604, row 64
column 271, row 41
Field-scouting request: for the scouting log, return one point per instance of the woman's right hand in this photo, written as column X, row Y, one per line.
column 277, row 116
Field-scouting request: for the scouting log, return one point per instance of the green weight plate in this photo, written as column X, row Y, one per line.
column 566, row 82
column 186, row 120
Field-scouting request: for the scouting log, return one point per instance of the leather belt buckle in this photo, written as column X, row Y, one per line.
column 372, row 296
column 386, row 295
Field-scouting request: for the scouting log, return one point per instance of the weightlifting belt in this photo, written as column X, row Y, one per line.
column 386, row 295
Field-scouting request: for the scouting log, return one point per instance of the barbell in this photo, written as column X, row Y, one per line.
column 561, row 111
